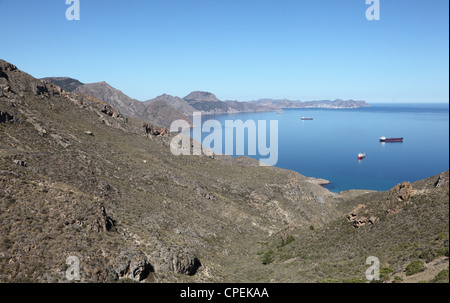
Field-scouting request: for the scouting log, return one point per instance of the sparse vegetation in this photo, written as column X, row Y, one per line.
column 414, row 267
column 94, row 197
column 385, row 273
column 268, row 257
column 442, row 277
column 398, row 279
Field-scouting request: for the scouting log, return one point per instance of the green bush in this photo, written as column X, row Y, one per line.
column 427, row 255
column 414, row 267
column 268, row 257
column 398, row 279
column 385, row 273
column 442, row 252
column 288, row 240
column 442, row 277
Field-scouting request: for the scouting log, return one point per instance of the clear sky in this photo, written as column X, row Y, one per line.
column 238, row 49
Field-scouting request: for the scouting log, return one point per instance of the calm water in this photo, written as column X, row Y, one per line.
column 327, row 147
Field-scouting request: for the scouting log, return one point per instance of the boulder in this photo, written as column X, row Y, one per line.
column 180, row 261
column 132, row 265
column 358, row 220
column 398, row 197
column 400, row 193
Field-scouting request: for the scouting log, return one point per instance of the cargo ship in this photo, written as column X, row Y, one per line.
column 384, row 139
column 306, row 118
column 361, row 156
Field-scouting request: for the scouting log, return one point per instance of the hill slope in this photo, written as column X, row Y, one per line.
column 67, row 84
column 177, row 103
column 159, row 115
column 79, row 179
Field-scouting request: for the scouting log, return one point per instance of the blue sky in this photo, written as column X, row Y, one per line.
column 238, row 49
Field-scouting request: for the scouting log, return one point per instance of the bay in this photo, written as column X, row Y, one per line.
column 327, row 147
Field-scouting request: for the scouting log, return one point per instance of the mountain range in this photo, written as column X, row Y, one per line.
column 165, row 109
column 78, row 179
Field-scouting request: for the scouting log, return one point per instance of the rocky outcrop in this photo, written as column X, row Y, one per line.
column 6, row 117
column 6, row 66
column 47, row 89
column 398, row 197
column 104, row 222
column 442, row 180
column 132, row 265
column 181, row 261
column 400, row 193
column 155, row 131
column 359, row 220
column 67, row 84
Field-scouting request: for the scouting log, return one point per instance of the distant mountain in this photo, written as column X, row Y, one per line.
column 175, row 102
column 158, row 114
column 240, row 107
column 198, row 96
column 67, row 84
column 208, row 103
column 165, row 109
column 285, row 103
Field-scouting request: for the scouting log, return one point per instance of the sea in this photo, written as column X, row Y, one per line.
column 327, row 147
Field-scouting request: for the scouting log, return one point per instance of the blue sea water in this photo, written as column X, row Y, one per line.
column 327, row 147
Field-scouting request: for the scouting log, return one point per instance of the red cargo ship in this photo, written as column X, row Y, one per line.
column 384, row 139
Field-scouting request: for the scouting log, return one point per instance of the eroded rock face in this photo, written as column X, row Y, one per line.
column 155, row 131
column 47, row 88
column 180, row 261
column 442, row 181
column 104, row 222
column 398, row 197
column 359, row 220
column 132, row 265
column 400, row 193
column 185, row 264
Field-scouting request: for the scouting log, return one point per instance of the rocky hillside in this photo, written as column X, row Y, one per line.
column 405, row 228
column 160, row 114
column 103, row 91
column 78, row 178
column 176, row 102
column 67, row 84
column 165, row 109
